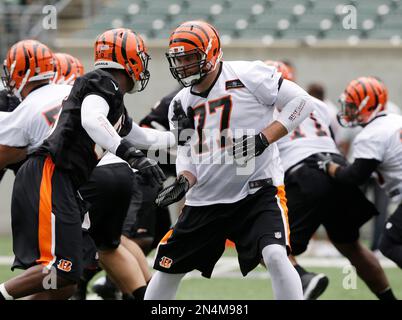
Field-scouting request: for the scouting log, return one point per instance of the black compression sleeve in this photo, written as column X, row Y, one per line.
column 356, row 173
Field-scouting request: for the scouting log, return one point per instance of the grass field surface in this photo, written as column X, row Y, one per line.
column 228, row 284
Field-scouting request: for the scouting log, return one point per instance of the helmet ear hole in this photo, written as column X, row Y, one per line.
column 133, row 61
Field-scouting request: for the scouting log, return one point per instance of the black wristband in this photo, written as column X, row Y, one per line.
column 264, row 139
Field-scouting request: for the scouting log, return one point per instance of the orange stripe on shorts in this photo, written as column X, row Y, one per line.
column 281, row 194
column 45, row 232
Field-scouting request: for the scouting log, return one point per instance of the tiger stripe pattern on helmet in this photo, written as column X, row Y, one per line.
column 27, row 61
column 197, row 38
column 69, row 68
column 123, row 49
column 362, row 100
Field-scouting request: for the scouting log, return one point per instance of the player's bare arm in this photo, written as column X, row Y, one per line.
column 10, row 155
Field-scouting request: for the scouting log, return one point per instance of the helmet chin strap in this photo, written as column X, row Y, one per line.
column 17, row 92
column 374, row 113
column 191, row 79
column 136, row 87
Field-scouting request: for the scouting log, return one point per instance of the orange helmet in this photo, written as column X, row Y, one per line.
column 361, row 101
column 27, row 61
column 123, row 49
column 69, row 68
column 196, row 39
column 282, row 68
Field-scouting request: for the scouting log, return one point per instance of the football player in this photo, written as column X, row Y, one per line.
column 145, row 223
column 48, row 237
column 377, row 148
column 314, row 200
column 234, row 189
column 28, row 70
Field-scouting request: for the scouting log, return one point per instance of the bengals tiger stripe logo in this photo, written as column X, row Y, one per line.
column 165, row 262
column 64, row 265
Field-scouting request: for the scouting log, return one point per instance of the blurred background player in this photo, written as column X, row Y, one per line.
column 315, row 200
column 29, row 69
column 344, row 139
column 69, row 68
column 377, row 148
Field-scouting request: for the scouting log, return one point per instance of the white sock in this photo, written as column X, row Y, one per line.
column 4, row 292
column 286, row 282
column 163, row 286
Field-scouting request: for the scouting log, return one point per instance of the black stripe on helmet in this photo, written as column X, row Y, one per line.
column 364, row 88
column 375, row 93
column 357, row 93
column 123, row 46
column 137, row 39
column 69, row 67
column 26, row 55
column 193, row 33
column 35, row 48
column 198, row 27
column 114, row 46
column 183, row 40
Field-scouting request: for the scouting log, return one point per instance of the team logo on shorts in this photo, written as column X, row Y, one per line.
column 278, row 235
column 64, row 265
column 165, row 262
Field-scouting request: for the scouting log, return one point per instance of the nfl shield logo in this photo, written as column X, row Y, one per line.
column 278, row 235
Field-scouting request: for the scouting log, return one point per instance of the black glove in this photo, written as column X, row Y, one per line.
column 8, row 102
column 249, row 147
column 136, row 159
column 173, row 193
column 182, row 122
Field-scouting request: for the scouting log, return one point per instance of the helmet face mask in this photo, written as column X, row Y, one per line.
column 190, row 73
column 194, row 52
column 348, row 117
column 8, row 83
column 144, row 76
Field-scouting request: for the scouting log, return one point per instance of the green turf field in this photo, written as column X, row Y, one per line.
column 6, row 248
column 260, row 289
column 254, row 287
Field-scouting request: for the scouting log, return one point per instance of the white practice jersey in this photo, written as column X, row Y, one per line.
column 241, row 102
column 311, row 136
column 29, row 124
column 381, row 139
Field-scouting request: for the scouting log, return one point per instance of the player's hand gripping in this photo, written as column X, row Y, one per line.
column 173, row 193
column 182, row 122
column 136, row 159
column 249, row 147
